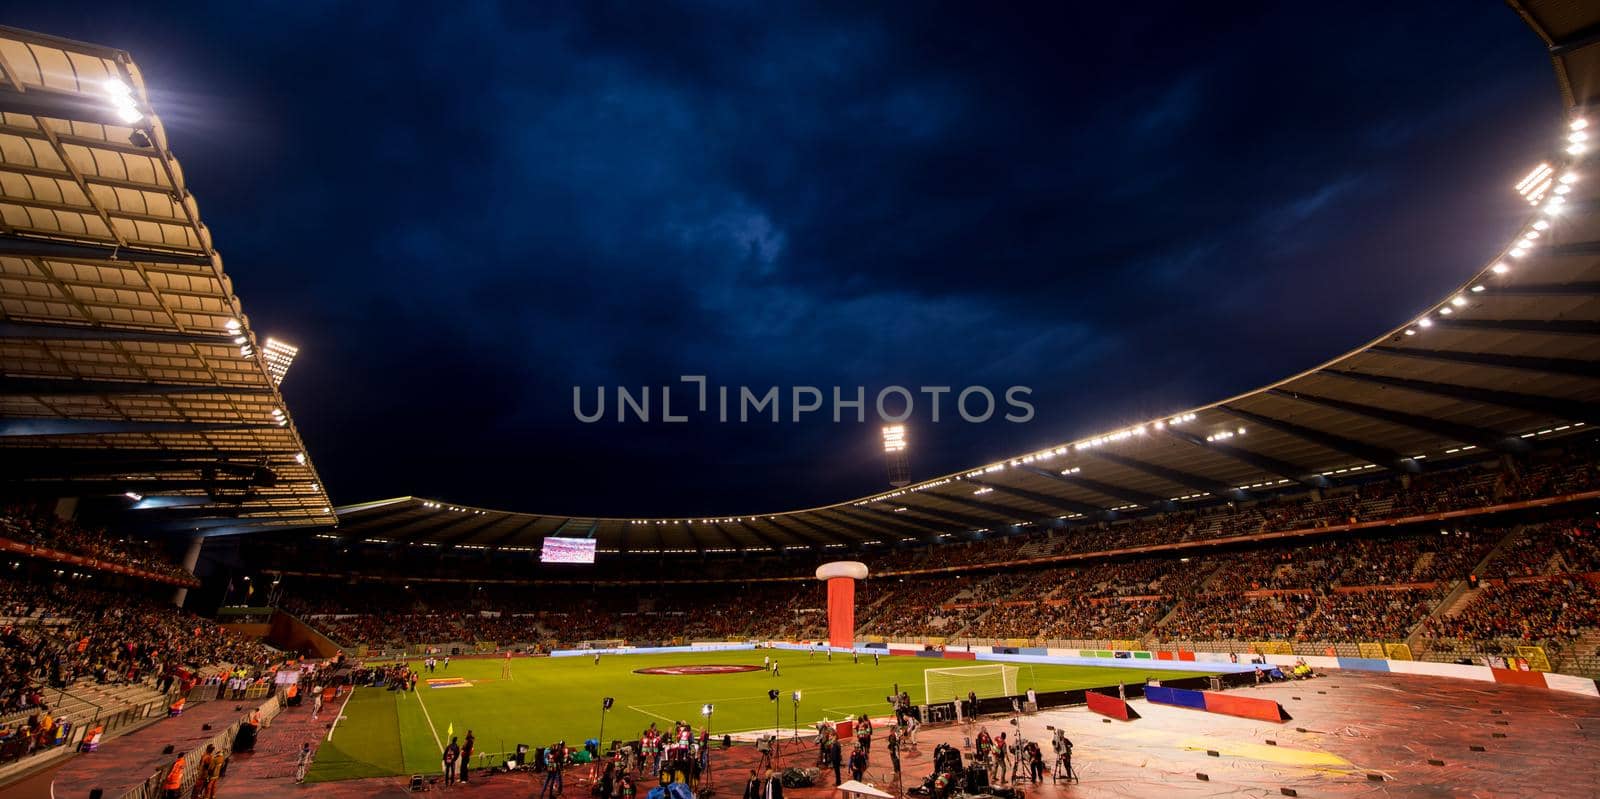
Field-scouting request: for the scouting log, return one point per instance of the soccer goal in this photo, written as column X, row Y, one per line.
column 943, row 685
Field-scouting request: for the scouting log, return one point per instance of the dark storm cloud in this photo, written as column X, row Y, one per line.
column 461, row 213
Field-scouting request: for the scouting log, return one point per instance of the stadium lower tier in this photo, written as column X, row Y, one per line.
column 1447, row 592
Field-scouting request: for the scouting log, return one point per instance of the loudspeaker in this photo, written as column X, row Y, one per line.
column 97, row 793
column 168, row 750
column 205, row 726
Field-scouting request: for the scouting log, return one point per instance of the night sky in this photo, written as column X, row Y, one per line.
column 460, row 211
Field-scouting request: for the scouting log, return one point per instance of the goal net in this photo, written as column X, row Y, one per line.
column 944, row 685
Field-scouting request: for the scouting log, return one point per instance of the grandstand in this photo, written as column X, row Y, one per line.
column 1426, row 504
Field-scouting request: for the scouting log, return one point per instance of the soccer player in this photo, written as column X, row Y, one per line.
column 651, row 748
column 505, row 666
column 597, row 657
column 774, row 668
column 446, row 662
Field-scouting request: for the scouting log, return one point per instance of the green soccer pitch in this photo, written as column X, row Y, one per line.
column 391, row 733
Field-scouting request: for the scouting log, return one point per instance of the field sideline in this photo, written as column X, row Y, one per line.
column 389, row 733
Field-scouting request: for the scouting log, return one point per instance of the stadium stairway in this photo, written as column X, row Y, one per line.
column 1499, row 547
column 1460, row 593
column 1583, row 656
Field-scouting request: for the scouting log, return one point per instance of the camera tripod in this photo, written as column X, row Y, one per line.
column 1063, row 770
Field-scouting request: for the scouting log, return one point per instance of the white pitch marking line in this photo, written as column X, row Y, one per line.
column 340, row 716
column 424, row 706
column 637, row 709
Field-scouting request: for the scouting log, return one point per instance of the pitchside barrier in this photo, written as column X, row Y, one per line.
column 1235, row 663
column 1555, row 682
column 717, row 646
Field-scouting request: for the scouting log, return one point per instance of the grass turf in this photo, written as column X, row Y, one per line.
column 389, row 733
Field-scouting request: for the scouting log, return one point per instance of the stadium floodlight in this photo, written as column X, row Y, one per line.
column 133, row 495
column 121, row 96
column 894, row 453
column 707, row 709
column 280, row 355
column 894, row 437
column 1499, row 269
column 1536, row 184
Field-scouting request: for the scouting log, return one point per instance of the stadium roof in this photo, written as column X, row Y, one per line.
column 127, row 366
column 1509, row 359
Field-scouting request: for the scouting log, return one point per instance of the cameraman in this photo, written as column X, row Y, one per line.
column 1063, row 747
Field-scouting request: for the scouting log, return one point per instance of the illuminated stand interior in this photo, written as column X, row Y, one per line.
column 841, row 576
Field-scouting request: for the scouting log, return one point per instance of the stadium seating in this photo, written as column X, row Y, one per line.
column 37, row 527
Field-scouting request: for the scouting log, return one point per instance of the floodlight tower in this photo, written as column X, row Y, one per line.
column 894, row 454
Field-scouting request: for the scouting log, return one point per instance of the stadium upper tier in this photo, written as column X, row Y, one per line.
column 130, row 377
column 1501, row 364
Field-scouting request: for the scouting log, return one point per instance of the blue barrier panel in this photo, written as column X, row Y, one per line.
column 1004, row 650
column 1364, row 664
column 875, row 646
column 926, row 653
column 1180, row 697
column 1034, row 650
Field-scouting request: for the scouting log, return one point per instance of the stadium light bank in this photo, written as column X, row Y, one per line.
column 892, row 404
